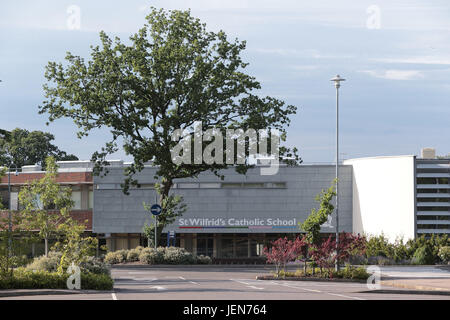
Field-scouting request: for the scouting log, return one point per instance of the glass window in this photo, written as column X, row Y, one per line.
column 209, row 185
column 187, row 185
column 241, row 246
column 226, row 247
column 76, row 198
column 91, row 200
column 231, row 185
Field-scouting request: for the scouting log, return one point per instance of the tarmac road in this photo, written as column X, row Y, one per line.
column 235, row 283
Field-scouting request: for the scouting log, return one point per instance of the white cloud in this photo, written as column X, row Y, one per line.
column 416, row 60
column 395, row 74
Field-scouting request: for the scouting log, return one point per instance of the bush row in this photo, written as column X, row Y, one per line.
column 418, row 251
column 28, row 279
column 349, row 272
column 160, row 255
column 50, row 263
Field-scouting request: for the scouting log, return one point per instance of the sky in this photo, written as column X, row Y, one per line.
column 395, row 56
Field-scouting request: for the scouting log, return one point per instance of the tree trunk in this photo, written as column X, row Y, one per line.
column 166, row 185
column 46, row 246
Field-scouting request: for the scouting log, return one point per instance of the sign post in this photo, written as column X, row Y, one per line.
column 156, row 211
column 171, row 238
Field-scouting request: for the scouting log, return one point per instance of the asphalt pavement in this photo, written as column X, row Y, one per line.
column 239, row 283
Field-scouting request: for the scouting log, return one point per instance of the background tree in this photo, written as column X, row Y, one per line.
column 173, row 207
column 318, row 217
column 284, row 251
column 21, row 147
column 46, row 205
column 172, row 73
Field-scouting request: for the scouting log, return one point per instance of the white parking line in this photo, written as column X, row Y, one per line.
column 158, row 288
column 296, row 287
column 114, row 297
column 253, row 287
column 318, row 291
column 344, row 296
column 194, row 282
column 247, row 284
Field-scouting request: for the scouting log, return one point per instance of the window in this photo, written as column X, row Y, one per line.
column 426, row 180
column 210, row 185
column 76, row 198
column 231, row 185
column 433, row 191
column 432, row 200
column 91, row 199
column 187, row 185
column 253, row 185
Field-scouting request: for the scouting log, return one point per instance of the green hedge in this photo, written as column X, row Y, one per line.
column 26, row 279
column 349, row 272
column 161, row 255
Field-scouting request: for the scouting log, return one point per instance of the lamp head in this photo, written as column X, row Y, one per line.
column 337, row 81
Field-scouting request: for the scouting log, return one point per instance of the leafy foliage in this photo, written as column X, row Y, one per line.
column 403, row 252
column 284, row 251
column 173, row 207
column 172, row 73
column 325, row 255
column 423, row 255
column 444, row 253
column 22, row 147
column 26, row 279
column 46, row 205
column 318, row 217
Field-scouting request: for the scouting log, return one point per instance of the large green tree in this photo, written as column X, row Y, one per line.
column 21, row 147
column 170, row 74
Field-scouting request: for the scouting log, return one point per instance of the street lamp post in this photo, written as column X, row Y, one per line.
column 337, row 83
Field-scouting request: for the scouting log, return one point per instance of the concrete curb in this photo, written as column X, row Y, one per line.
column 192, row 266
column 397, row 284
column 40, row 292
column 310, row 279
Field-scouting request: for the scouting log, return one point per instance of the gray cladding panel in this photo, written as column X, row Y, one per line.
column 115, row 212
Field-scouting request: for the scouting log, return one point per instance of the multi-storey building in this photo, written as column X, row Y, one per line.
column 75, row 174
column 433, row 196
column 398, row 196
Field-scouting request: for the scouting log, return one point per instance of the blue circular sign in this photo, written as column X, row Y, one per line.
column 155, row 209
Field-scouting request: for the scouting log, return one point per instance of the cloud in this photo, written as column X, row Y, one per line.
column 417, row 60
column 395, row 74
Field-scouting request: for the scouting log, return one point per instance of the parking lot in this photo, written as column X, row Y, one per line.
column 235, row 283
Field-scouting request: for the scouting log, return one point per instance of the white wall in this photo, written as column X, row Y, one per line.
column 383, row 196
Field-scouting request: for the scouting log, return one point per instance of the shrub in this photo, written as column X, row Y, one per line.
column 379, row 246
column 44, row 263
column 423, row 255
column 175, row 255
column 114, row 257
column 350, row 272
column 123, row 253
column 95, row 265
column 444, row 254
column 201, row 259
column 92, row 281
column 133, row 255
column 28, row 279
column 21, row 261
column 152, row 256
